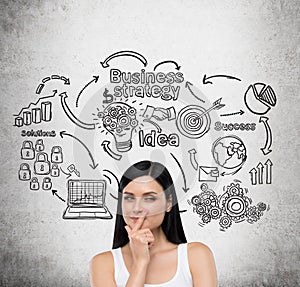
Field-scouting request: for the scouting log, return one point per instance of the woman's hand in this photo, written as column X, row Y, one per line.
column 140, row 240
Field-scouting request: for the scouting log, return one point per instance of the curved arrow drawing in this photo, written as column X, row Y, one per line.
column 95, row 79
column 193, row 160
column 188, row 85
column 54, row 192
column 205, row 78
column 107, row 178
column 116, row 180
column 266, row 149
column 107, row 149
column 71, row 116
column 93, row 165
column 165, row 62
column 233, row 114
column 52, row 77
column 124, row 53
column 185, row 188
column 233, row 172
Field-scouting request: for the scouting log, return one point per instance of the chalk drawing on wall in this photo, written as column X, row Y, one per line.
column 194, row 121
column 86, row 200
column 260, row 98
column 232, row 206
column 230, row 153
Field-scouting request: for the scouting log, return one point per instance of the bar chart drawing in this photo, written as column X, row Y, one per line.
column 35, row 113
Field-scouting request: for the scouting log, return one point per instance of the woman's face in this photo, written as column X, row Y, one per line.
column 144, row 193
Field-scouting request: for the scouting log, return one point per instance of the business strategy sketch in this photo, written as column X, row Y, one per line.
column 138, row 111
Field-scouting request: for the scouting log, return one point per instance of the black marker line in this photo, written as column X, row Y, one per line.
column 93, row 165
column 205, row 78
column 185, row 188
column 54, row 192
column 71, row 116
column 124, row 53
column 95, row 79
column 233, row 114
column 166, row 62
column 114, row 177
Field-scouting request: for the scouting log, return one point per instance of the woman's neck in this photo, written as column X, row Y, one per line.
column 160, row 241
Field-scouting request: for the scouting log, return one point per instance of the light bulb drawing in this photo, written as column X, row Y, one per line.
column 119, row 119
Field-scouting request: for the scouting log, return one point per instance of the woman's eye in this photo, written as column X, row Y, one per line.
column 128, row 198
column 150, row 198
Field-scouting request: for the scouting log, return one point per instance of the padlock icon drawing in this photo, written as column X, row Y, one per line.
column 56, row 154
column 24, row 172
column 55, row 170
column 47, row 183
column 27, row 150
column 39, row 145
column 34, row 184
column 41, row 164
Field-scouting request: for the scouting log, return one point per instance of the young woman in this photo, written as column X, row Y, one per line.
column 149, row 247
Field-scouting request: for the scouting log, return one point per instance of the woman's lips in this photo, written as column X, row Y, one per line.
column 135, row 219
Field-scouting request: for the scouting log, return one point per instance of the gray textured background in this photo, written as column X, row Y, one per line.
column 255, row 40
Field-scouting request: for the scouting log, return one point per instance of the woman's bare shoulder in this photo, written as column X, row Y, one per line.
column 198, row 247
column 202, row 264
column 102, row 270
column 102, row 260
column 199, row 253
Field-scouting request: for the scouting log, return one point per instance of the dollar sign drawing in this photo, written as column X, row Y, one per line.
column 108, row 97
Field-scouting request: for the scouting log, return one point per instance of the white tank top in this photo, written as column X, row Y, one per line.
column 182, row 276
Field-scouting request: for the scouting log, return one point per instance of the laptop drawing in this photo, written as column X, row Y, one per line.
column 86, row 200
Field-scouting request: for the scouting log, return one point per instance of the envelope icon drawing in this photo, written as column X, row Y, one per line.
column 208, row 173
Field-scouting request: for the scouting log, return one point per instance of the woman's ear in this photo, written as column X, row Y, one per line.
column 169, row 203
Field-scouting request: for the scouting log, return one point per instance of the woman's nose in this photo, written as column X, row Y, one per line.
column 138, row 207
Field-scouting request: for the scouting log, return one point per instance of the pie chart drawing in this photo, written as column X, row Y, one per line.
column 260, row 98
column 193, row 121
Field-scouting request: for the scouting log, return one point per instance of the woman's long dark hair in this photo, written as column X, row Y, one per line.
column 171, row 225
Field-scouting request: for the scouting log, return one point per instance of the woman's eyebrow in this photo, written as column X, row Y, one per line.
column 150, row 192
column 146, row 193
column 127, row 192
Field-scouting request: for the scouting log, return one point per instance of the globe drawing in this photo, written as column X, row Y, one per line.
column 229, row 152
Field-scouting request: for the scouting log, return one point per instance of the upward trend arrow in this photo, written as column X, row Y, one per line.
column 166, row 62
column 205, row 78
column 71, row 116
column 266, row 149
column 185, row 188
column 36, row 103
column 124, row 53
column 93, row 165
column 268, row 165
column 95, row 79
column 253, row 175
column 188, row 85
column 260, row 169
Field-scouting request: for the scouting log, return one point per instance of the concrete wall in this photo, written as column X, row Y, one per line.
column 256, row 41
